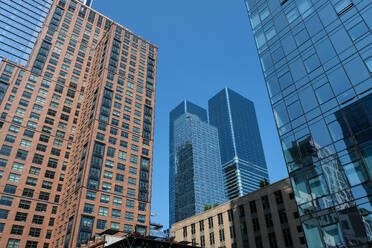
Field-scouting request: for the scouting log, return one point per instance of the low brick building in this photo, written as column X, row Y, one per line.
column 267, row 217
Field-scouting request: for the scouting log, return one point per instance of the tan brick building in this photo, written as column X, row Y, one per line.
column 266, row 218
column 76, row 132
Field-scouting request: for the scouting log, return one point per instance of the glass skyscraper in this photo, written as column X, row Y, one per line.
column 316, row 57
column 242, row 156
column 20, row 24
column 195, row 176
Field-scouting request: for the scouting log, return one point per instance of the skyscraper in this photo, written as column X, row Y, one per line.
column 317, row 62
column 242, row 155
column 87, row 2
column 195, row 169
column 20, row 24
column 76, row 130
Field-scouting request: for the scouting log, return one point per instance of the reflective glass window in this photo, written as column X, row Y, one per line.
column 355, row 173
column 307, row 99
column 288, row 44
column 280, row 114
column 356, row 70
column 318, row 186
column 327, row 14
column 325, row 50
column 324, row 93
column 358, row 30
column 320, row 133
column 339, row 80
column 312, row 63
column 297, row 69
column 340, row 40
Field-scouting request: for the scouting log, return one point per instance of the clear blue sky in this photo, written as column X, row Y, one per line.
column 204, row 46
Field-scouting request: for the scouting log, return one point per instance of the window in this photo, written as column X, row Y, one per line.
column 220, row 219
column 211, row 238
column 278, row 197
column 268, row 220
column 38, row 219
column 4, row 214
column 103, row 211
column 128, row 228
column 5, row 150
column 107, row 174
column 3, row 162
column 283, row 216
column 287, row 237
column 129, row 204
column 101, row 224
column 31, row 181
column 118, row 189
column 24, row 204
column 117, row 201
column 91, row 195
column 105, row 198
column 122, row 156
column 106, row 187
column 185, row 231
column 119, row 178
column 132, row 181
column 20, row 217
column 17, row 230
column 10, row 138
column 255, row 224
column 210, row 222
column 31, row 244
column 28, row 192
column 17, row 167
column 222, row 235
column 241, row 211
column 129, row 216
column 47, row 185
column 21, row 154
column 131, row 193
column 265, row 202
column 44, row 196
column 34, row 171
column 38, row 158
column 14, row 178
column 201, row 225
column 13, row 243
column 115, row 213
column 88, row 208
column 34, row 232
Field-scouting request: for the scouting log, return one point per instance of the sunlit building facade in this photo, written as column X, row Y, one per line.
column 76, row 132
column 242, row 155
column 316, row 58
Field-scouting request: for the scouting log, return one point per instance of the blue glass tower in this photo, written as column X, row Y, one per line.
column 195, row 174
column 316, row 58
column 242, row 156
column 20, row 24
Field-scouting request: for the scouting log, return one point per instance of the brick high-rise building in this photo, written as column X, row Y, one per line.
column 76, row 129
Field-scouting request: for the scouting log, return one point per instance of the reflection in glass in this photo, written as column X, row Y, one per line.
column 332, row 236
column 355, row 173
column 318, row 186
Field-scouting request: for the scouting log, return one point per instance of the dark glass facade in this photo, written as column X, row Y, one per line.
column 316, row 58
column 242, row 155
column 195, row 171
